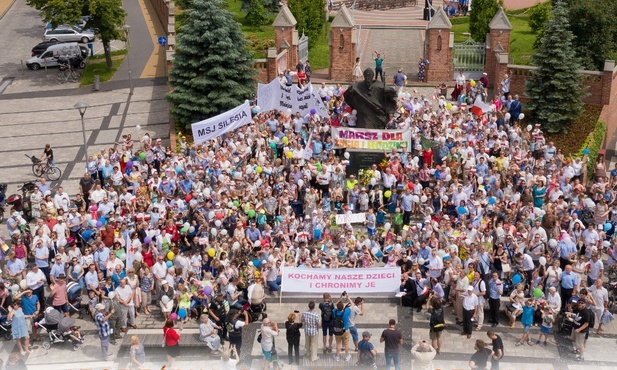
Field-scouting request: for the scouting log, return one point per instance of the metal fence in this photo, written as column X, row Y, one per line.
column 470, row 56
column 303, row 48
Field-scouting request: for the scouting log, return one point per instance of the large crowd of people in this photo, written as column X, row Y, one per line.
column 479, row 205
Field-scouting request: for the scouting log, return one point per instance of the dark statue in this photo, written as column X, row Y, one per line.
column 373, row 101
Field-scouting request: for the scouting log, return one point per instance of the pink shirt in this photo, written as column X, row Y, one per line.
column 60, row 294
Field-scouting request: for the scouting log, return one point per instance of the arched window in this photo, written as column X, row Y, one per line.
column 439, row 42
column 341, row 42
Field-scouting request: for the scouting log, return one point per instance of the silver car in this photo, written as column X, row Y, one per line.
column 68, row 34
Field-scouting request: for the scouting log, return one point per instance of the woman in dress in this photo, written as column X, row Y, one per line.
column 138, row 355
column 172, row 339
column 146, row 284
column 357, row 71
column 421, row 70
column 19, row 328
column 208, row 333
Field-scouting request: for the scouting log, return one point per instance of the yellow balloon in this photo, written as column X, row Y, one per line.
column 449, row 106
column 289, row 155
column 285, row 139
column 211, row 252
column 472, row 83
column 170, row 256
column 388, row 193
column 259, row 169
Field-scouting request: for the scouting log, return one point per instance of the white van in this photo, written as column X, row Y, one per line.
column 50, row 57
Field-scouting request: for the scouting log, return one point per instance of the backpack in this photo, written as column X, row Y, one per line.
column 326, row 312
column 437, row 321
column 339, row 325
column 366, row 356
column 592, row 318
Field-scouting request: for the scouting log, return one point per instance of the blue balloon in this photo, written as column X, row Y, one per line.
column 462, row 210
column 516, row 279
column 182, row 313
column 607, row 226
column 257, row 263
column 492, row 200
column 169, row 264
column 586, row 151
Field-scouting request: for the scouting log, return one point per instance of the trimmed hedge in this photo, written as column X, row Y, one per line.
column 594, row 144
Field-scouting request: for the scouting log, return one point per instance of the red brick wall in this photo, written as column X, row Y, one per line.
column 591, row 80
column 261, row 67
column 609, row 111
column 440, row 66
column 162, row 11
column 497, row 37
column 342, row 59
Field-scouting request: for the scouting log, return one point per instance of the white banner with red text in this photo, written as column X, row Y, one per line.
column 336, row 281
column 361, row 138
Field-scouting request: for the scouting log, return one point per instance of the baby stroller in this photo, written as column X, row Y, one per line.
column 257, row 306
column 5, row 325
column 257, row 311
column 567, row 321
column 73, row 291
column 58, row 329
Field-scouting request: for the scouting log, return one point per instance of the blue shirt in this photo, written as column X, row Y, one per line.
column 346, row 313
column 101, row 256
column 568, row 281
column 527, row 317
column 29, row 304
column 40, row 256
column 566, row 248
column 103, row 326
column 407, row 202
column 495, row 288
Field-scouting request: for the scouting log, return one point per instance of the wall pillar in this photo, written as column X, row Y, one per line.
column 343, row 46
column 439, row 45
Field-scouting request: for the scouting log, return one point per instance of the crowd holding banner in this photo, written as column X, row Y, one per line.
column 457, row 195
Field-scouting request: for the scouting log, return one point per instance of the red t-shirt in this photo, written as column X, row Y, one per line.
column 171, row 337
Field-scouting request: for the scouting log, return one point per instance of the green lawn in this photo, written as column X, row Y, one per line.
column 98, row 66
column 521, row 37
column 262, row 37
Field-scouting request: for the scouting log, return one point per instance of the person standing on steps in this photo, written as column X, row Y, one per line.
column 327, row 307
column 392, row 339
column 340, row 328
column 357, row 309
column 103, row 327
column 378, row 64
column 312, row 322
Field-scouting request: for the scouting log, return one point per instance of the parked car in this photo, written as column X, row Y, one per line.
column 68, row 34
column 50, row 57
column 43, row 46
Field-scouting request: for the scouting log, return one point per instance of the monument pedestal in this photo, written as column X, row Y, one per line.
column 363, row 160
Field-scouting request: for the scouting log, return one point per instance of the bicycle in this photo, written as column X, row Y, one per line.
column 68, row 75
column 40, row 168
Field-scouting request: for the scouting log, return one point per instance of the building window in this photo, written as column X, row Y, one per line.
column 341, row 42
column 439, row 42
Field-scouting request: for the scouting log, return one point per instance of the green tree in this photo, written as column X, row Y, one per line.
column 593, row 23
column 257, row 14
column 212, row 67
column 539, row 14
column 311, row 17
column 107, row 17
column 554, row 89
column 482, row 12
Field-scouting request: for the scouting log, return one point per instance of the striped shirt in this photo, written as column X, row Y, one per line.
column 311, row 321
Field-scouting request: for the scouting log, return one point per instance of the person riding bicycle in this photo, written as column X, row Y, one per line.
column 48, row 153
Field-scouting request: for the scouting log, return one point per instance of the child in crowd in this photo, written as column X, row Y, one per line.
column 527, row 320
column 547, row 324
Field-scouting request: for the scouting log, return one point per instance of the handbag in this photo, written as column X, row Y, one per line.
column 505, row 267
column 510, row 307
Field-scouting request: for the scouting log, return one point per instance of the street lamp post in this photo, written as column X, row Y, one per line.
column 82, row 106
column 126, row 29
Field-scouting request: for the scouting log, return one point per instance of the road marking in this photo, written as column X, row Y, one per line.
column 5, row 83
